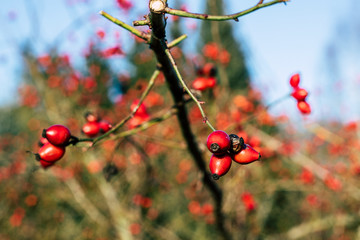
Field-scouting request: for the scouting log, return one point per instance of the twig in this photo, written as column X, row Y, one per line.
column 234, row 16
column 177, row 41
column 198, row 103
column 120, row 216
column 131, row 29
column 145, row 125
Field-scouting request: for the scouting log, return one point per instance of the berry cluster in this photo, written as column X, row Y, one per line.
column 227, row 148
column 94, row 125
column 141, row 115
column 205, row 78
column 299, row 94
column 53, row 143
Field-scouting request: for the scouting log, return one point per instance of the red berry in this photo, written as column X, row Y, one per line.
column 58, row 135
column 50, row 153
column 295, row 80
column 105, row 126
column 299, row 94
column 91, row 117
column 209, row 70
column 137, row 120
column 46, row 164
column 304, row 107
column 218, row 142
column 246, row 155
column 141, row 111
column 211, row 82
column 91, row 129
column 200, row 84
column 42, row 141
column 219, row 165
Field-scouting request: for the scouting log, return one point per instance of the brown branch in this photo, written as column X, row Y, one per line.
column 158, row 45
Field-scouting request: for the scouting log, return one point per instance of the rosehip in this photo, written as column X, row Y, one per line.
column 46, row 164
column 200, row 84
column 295, row 80
column 219, row 165
column 246, row 155
column 50, row 153
column 141, row 110
column 91, row 117
column 42, row 141
column 91, row 129
column 58, row 135
column 209, row 69
column 299, row 94
column 211, row 82
column 105, row 126
column 218, row 142
column 304, row 107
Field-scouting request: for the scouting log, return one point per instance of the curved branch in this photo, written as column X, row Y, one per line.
column 234, row 16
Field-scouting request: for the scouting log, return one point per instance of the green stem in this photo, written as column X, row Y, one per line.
column 234, row 16
column 198, row 103
column 122, row 122
column 276, row 101
column 131, row 29
column 177, row 41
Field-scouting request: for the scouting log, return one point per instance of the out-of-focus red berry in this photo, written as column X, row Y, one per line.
column 304, row 107
column 299, row 94
column 295, row 80
column 91, row 129
column 105, row 126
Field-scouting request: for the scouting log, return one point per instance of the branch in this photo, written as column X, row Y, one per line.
column 234, row 16
column 158, row 45
column 84, row 202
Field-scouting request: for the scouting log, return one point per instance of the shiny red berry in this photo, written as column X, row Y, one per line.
column 218, row 142
column 50, row 153
column 299, row 94
column 91, row 129
column 295, row 80
column 246, row 155
column 58, row 135
column 304, row 107
column 219, row 165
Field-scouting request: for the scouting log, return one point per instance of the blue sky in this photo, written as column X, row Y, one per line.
column 280, row 40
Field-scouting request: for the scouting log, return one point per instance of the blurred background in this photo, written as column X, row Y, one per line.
column 62, row 59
